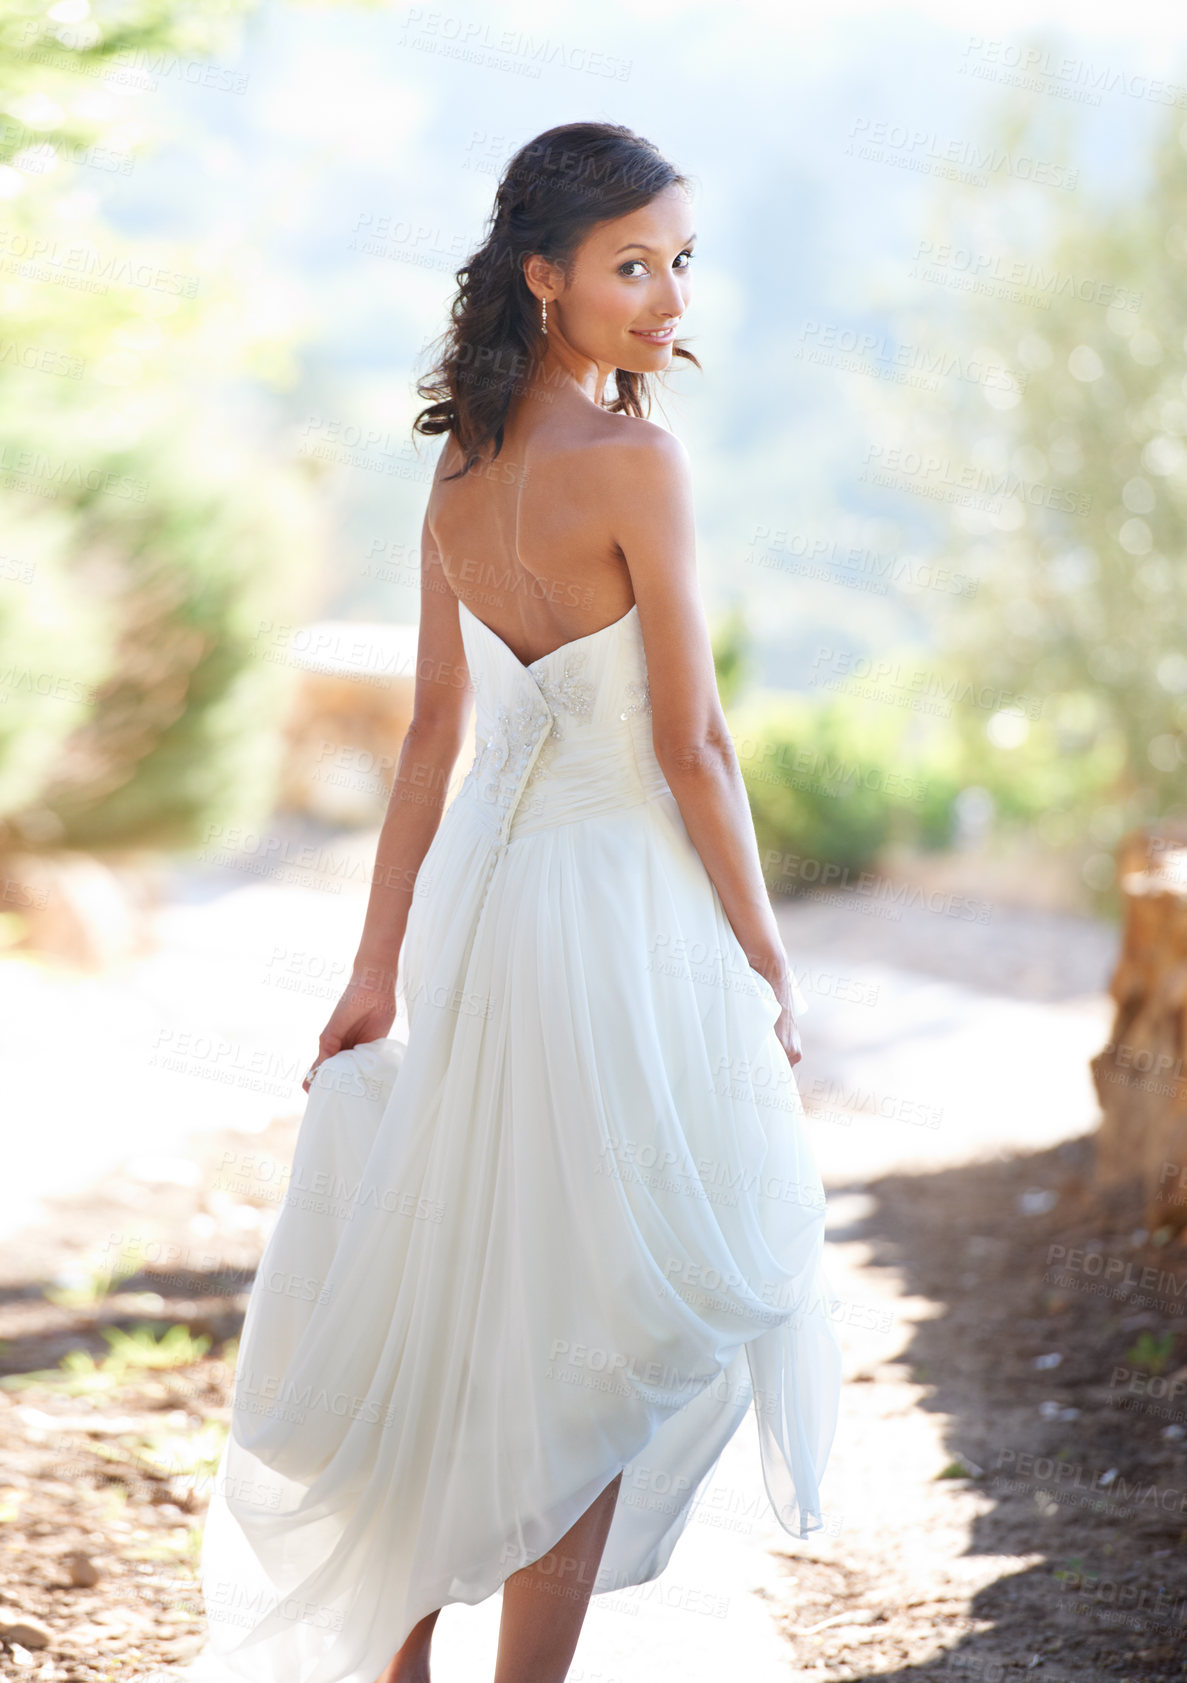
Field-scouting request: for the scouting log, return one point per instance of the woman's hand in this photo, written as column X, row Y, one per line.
column 786, row 1026
column 774, row 968
column 365, row 1012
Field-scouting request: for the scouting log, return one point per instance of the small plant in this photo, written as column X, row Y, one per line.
column 130, row 1353
column 1151, row 1353
column 141, row 1348
column 90, row 1282
column 184, row 1454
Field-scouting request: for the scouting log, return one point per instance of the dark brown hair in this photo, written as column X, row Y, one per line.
column 552, row 193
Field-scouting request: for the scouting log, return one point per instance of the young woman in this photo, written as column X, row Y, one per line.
column 583, row 1228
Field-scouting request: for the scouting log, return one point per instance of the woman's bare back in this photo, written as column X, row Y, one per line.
column 525, row 541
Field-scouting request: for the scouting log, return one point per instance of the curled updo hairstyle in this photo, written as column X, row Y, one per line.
column 552, row 193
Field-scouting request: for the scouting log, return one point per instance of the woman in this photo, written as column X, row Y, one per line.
column 579, row 1229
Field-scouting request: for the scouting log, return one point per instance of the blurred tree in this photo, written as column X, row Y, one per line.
column 150, row 540
column 1064, row 445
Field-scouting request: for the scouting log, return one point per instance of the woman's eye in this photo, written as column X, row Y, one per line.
column 632, row 262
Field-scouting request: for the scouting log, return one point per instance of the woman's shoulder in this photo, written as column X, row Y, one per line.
column 626, row 448
column 605, row 448
column 641, row 462
column 633, row 435
column 616, row 467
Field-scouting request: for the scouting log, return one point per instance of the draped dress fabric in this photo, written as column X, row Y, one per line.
column 571, row 1227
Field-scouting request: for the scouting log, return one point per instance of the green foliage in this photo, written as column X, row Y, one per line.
column 731, row 655
column 960, row 1469
column 832, row 782
column 1047, row 773
column 144, row 1349
column 152, row 1347
column 90, row 1280
column 1074, row 457
column 1152, row 1353
column 148, row 543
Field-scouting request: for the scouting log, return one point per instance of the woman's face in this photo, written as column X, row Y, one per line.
column 628, row 287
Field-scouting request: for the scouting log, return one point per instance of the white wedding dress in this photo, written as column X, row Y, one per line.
column 572, row 1228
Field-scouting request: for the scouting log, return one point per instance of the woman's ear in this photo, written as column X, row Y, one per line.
column 540, row 276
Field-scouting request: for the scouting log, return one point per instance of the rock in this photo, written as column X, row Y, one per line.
column 74, row 906
column 25, row 1632
column 83, row 1572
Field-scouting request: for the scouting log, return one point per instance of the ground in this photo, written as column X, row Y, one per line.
column 1046, row 1524
column 1008, row 1493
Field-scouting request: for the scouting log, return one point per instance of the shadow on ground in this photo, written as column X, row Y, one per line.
column 1056, row 1356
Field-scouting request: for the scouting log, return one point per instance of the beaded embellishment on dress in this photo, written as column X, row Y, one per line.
column 640, row 698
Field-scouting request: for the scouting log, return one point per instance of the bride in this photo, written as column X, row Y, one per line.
column 600, row 1231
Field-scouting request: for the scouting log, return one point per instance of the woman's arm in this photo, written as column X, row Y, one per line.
column 649, row 492
column 440, row 713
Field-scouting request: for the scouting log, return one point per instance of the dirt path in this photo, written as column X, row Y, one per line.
column 1008, row 1493
column 1010, row 1478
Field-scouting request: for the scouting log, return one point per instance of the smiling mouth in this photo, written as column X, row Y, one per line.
column 655, row 335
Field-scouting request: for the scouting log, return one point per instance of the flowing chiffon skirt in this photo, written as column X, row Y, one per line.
column 571, row 1227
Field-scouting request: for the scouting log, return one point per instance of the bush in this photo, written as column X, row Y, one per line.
column 142, row 705
column 834, row 782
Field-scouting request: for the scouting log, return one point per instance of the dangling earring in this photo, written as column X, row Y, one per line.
column 544, row 315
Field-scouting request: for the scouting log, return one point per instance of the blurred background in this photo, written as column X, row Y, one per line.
column 940, row 453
